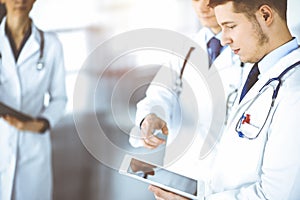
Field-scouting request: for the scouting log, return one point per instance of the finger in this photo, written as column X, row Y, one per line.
column 150, row 138
column 160, row 125
column 163, row 194
column 148, row 146
column 158, row 193
column 151, row 172
column 18, row 124
column 7, row 117
column 14, row 122
column 154, row 141
column 165, row 129
column 146, row 131
column 152, row 123
column 158, row 198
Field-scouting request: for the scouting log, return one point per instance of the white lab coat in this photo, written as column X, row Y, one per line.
column 25, row 167
column 269, row 166
column 191, row 114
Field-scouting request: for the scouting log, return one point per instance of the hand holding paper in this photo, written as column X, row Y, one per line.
column 22, row 121
column 34, row 125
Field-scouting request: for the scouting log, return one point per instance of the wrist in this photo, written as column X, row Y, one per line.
column 147, row 116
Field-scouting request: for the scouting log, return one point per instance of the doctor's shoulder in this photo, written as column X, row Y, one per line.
column 52, row 39
column 289, row 94
column 291, row 85
column 52, row 45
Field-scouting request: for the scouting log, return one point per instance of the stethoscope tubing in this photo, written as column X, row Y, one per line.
column 40, row 63
column 274, row 96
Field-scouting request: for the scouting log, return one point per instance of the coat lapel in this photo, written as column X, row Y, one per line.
column 8, row 60
column 31, row 47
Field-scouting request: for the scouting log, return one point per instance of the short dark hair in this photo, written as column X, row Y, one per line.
column 249, row 7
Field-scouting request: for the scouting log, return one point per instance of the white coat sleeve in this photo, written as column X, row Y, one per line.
column 56, row 88
column 159, row 99
column 280, row 171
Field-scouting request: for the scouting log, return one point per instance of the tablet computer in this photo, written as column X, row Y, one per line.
column 6, row 110
column 161, row 177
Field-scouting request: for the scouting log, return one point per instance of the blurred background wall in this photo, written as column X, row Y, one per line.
column 82, row 26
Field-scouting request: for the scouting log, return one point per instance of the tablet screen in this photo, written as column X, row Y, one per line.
column 162, row 176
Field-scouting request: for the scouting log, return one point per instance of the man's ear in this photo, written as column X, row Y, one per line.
column 266, row 13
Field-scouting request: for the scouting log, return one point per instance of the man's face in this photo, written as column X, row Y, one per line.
column 245, row 36
column 205, row 14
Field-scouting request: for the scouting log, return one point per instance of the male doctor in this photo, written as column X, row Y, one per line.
column 31, row 66
column 188, row 115
column 257, row 156
column 228, row 65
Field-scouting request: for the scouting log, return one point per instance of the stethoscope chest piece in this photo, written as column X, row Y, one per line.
column 40, row 65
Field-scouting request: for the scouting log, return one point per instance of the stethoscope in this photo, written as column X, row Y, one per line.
column 245, row 118
column 40, row 63
column 232, row 96
column 178, row 82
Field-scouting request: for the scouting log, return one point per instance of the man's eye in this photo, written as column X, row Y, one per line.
column 231, row 27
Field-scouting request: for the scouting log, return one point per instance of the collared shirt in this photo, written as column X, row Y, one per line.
column 12, row 42
column 209, row 35
column 273, row 57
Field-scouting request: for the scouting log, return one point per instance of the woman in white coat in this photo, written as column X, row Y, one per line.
column 31, row 67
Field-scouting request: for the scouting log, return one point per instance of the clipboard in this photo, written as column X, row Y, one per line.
column 6, row 110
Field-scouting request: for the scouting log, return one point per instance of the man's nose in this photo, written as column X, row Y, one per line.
column 225, row 39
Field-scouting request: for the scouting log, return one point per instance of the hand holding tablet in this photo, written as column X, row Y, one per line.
column 22, row 121
column 6, row 110
column 162, row 178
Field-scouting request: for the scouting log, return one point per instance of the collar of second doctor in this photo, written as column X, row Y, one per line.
column 251, row 37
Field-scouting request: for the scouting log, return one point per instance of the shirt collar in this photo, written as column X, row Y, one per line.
column 16, row 51
column 209, row 34
column 274, row 56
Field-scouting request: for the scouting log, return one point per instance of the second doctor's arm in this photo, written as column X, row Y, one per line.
column 154, row 111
